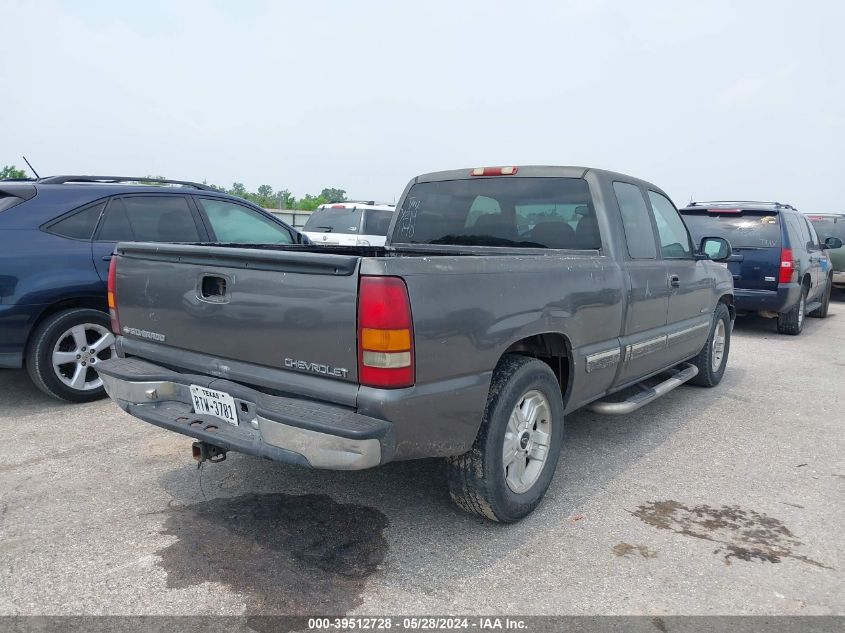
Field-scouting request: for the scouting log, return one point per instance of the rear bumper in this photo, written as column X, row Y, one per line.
column 283, row 429
column 779, row 300
column 839, row 277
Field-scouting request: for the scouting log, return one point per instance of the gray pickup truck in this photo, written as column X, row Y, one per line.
column 504, row 299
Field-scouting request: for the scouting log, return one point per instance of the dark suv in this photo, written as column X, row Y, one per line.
column 779, row 265
column 56, row 239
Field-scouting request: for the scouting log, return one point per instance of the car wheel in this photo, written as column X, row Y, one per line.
column 64, row 351
column 821, row 311
column 792, row 322
column 713, row 357
column 510, row 466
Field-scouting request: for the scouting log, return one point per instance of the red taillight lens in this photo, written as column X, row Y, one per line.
column 385, row 333
column 787, row 266
column 115, row 322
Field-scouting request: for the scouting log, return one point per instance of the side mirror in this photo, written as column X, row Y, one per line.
column 717, row 249
column 832, row 242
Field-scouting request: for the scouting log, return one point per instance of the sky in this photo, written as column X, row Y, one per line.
column 708, row 100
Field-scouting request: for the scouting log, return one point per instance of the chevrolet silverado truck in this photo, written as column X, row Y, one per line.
column 504, row 299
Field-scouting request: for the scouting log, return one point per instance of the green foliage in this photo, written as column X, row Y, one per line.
column 155, row 184
column 266, row 197
column 10, row 171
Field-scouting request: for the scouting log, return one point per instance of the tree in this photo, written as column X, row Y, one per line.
column 11, row 172
column 333, row 195
column 238, row 189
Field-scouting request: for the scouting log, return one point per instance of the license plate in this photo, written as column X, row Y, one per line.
column 217, row 403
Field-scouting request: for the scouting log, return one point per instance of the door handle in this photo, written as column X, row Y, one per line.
column 106, row 258
column 674, row 281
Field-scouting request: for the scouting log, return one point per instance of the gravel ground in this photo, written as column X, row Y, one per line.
column 709, row 501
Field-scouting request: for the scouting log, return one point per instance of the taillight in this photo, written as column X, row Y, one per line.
column 385, row 333
column 115, row 322
column 787, row 266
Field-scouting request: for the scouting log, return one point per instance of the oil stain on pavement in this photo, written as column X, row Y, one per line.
column 742, row 534
column 281, row 553
column 624, row 549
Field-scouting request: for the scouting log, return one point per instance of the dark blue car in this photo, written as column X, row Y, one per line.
column 56, row 239
column 779, row 265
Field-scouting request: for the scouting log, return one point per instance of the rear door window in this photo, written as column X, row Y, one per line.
column 79, row 225
column 345, row 220
column 636, row 221
column 149, row 219
column 743, row 229
column 232, row 222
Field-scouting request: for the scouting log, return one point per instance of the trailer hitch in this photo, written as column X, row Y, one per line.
column 204, row 452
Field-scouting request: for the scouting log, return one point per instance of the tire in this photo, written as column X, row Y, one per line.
column 479, row 481
column 792, row 322
column 821, row 311
column 713, row 357
column 62, row 336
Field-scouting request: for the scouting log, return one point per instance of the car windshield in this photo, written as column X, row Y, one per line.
column 334, row 220
column 743, row 229
column 829, row 226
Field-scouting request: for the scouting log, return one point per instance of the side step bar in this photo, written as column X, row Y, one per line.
column 645, row 396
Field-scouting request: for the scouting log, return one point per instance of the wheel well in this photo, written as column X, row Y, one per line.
column 552, row 348
column 94, row 303
column 728, row 300
column 806, row 281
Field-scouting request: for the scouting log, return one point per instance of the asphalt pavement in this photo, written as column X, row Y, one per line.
column 708, row 501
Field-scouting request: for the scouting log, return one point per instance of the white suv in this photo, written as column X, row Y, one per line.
column 350, row 223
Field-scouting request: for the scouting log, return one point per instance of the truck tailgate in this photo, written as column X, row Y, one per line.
column 282, row 308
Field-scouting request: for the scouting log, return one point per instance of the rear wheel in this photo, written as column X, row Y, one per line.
column 64, row 351
column 713, row 357
column 792, row 322
column 510, row 466
column 821, row 311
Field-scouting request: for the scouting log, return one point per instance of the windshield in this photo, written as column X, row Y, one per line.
column 747, row 229
column 828, row 226
column 521, row 212
column 334, row 220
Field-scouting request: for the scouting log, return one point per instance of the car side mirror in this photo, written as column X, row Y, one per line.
column 717, row 249
column 832, row 242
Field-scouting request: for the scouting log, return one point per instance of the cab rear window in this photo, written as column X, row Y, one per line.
column 508, row 212
column 334, row 220
column 828, row 226
column 743, row 229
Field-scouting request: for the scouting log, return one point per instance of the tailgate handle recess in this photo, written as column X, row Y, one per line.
column 213, row 288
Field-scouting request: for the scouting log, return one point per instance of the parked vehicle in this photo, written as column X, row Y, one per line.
column 779, row 266
column 832, row 225
column 57, row 236
column 350, row 223
column 505, row 298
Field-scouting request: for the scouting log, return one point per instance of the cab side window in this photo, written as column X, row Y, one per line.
column 639, row 233
column 674, row 237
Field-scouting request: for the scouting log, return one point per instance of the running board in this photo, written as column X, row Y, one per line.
column 812, row 306
column 647, row 395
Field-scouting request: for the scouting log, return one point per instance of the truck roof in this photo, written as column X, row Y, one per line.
column 532, row 171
